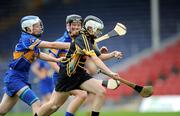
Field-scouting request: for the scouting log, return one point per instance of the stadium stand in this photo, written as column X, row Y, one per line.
column 161, row 69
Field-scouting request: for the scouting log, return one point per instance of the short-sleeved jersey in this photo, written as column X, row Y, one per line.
column 82, row 46
column 25, row 52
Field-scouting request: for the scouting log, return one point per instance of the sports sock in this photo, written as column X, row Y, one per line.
column 69, row 114
column 95, row 113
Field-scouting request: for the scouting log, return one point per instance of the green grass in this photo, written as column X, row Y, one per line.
column 108, row 114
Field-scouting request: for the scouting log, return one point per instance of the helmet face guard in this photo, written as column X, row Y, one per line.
column 93, row 25
column 94, row 28
column 29, row 21
column 73, row 18
column 71, row 28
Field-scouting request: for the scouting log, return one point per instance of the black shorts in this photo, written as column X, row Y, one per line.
column 66, row 83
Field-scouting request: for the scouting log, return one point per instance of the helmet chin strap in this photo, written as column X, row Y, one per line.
column 37, row 35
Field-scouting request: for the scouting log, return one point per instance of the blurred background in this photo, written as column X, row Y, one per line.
column 151, row 46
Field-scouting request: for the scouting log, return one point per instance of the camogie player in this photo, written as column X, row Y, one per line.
column 73, row 26
column 72, row 73
column 16, row 85
column 42, row 70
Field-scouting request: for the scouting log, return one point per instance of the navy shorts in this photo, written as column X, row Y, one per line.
column 66, row 83
column 14, row 81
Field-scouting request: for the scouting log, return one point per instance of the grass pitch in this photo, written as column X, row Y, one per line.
column 108, row 114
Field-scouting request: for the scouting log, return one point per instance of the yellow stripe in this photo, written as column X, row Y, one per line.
column 82, row 62
column 55, row 51
column 67, row 66
column 34, row 44
column 17, row 55
column 87, row 42
column 79, row 57
column 29, row 55
column 80, row 66
column 69, row 72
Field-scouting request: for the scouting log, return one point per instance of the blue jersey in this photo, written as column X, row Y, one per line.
column 25, row 52
column 60, row 53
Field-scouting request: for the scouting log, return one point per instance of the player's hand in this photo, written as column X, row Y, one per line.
column 115, row 76
column 60, row 59
column 117, row 54
column 104, row 50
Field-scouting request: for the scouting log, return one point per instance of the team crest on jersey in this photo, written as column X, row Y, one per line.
column 32, row 40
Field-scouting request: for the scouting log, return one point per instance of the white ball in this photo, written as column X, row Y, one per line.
column 113, row 84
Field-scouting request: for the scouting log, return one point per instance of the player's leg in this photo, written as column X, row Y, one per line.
column 29, row 97
column 94, row 87
column 46, row 98
column 91, row 69
column 7, row 103
column 57, row 100
column 80, row 97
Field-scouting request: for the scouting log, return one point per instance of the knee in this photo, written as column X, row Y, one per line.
column 2, row 114
column 54, row 106
column 82, row 95
column 35, row 106
column 2, row 111
column 101, row 93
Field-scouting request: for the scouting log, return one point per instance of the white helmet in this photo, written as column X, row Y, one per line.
column 29, row 21
column 94, row 22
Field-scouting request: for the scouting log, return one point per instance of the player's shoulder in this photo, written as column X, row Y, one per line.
column 80, row 36
column 28, row 37
column 64, row 38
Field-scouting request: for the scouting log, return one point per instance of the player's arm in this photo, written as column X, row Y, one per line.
column 84, row 46
column 103, row 55
column 33, row 43
column 46, row 57
column 58, row 45
column 114, row 54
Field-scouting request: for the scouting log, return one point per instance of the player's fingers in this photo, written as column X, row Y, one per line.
column 118, row 55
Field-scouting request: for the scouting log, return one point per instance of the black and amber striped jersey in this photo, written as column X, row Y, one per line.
column 82, row 47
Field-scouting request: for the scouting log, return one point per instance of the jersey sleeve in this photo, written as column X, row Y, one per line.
column 96, row 50
column 31, row 42
column 54, row 52
column 84, row 46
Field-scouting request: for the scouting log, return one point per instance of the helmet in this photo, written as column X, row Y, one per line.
column 29, row 21
column 94, row 22
column 73, row 18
